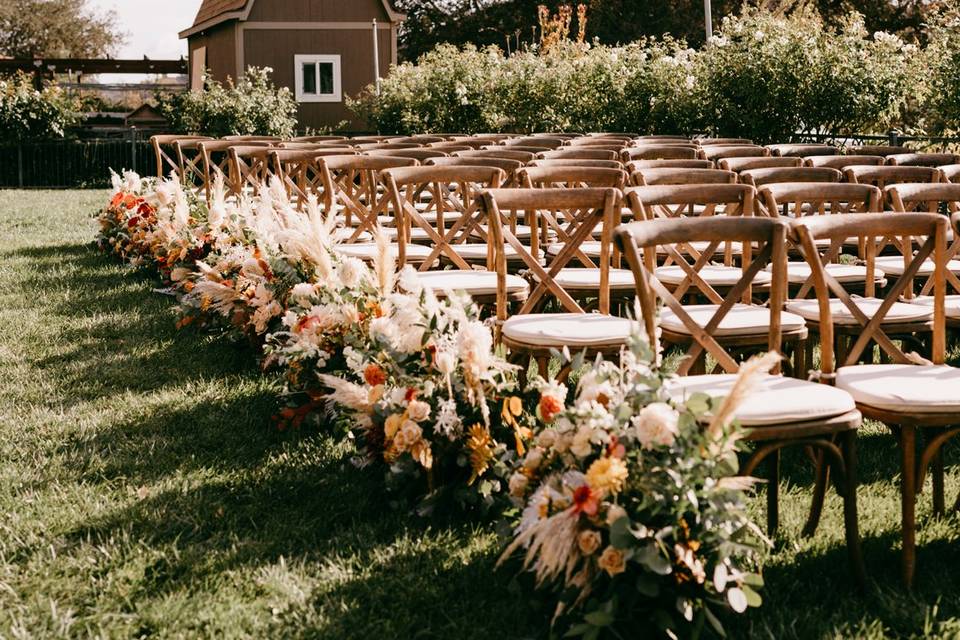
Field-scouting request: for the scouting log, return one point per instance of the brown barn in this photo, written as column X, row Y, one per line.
column 321, row 49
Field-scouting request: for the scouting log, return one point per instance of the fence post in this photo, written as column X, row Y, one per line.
column 20, row 164
column 894, row 137
column 133, row 149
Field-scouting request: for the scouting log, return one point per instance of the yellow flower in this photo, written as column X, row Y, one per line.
column 589, row 542
column 607, row 475
column 392, row 424
column 480, row 445
column 612, row 561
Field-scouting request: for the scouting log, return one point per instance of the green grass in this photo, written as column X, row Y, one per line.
column 144, row 493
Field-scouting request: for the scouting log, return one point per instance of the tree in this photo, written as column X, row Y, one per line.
column 57, row 29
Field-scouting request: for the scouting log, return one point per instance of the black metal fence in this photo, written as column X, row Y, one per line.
column 84, row 163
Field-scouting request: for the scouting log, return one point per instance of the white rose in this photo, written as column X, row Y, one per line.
column 302, row 290
column 533, row 459
column 351, row 271
column 518, row 484
column 581, row 446
column 656, row 425
column 411, row 432
column 418, row 410
column 445, row 362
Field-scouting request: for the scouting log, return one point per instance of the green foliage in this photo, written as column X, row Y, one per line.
column 252, row 105
column 943, row 55
column 57, row 29
column 28, row 114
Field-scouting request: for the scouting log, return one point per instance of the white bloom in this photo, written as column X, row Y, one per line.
column 547, row 438
column 411, row 432
column 656, row 425
column 302, row 290
column 758, row 35
column 352, row 271
column 533, row 459
column 418, row 410
column 582, row 442
column 518, row 484
column 409, row 281
column 448, row 421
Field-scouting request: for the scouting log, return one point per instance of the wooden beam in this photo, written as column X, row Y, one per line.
column 93, row 66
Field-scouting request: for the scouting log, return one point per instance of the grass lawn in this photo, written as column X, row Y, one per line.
column 144, row 493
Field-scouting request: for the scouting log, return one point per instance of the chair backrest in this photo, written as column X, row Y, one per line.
column 950, row 173
column 639, row 243
column 319, row 139
column 930, row 228
column 599, row 209
column 597, row 142
column 718, row 152
column 714, row 141
column 215, row 158
column 922, row 159
column 942, row 198
column 802, row 150
column 766, row 162
column 678, row 201
column 644, row 177
column 385, row 146
column 375, row 138
column 419, row 153
column 759, row 177
column 249, row 169
column 167, row 163
column 497, row 152
column 842, row 162
column 579, row 153
column 568, row 162
column 452, row 190
column 877, row 150
column 422, row 139
column 462, row 144
column 659, row 152
column 509, row 167
column 299, row 171
column 657, row 138
column 354, row 183
column 567, row 177
column 535, row 141
column 881, row 176
column 636, row 165
column 253, row 138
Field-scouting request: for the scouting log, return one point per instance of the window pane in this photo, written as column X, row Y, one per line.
column 310, row 78
column 326, row 78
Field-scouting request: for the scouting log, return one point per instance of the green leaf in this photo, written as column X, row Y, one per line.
column 651, row 558
column 714, row 622
column 620, row 536
column 698, row 403
column 599, row 618
column 753, row 598
column 648, row 586
column 577, row 630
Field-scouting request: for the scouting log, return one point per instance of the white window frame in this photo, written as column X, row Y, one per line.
column 301, row 59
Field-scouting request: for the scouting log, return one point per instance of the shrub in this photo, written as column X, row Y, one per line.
column 28, row 114
column 252, row 105
column 661, row 90
column 943, row 53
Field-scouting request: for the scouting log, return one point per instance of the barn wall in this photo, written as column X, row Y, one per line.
column 317, row 10
column 276, row 48
column 221, row 45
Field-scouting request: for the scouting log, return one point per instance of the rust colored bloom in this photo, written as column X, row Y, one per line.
column 549, row 408
column 117, row 199
column 374, row 375
column 585, row 501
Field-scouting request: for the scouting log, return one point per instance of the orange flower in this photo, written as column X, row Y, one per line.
column 549, row 408
column 585, row 500
column 117, row 199
column 374, row 375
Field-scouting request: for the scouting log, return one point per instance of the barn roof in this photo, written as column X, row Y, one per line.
column 213, row 12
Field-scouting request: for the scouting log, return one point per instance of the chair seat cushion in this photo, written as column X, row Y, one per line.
column 590, row 279
column 951, row 306
column 900, row 312
column 575, row 330
column 798, row 272
column 776, row 399
column 368, row 250
column 590, row 247
column 903, row 387
column 736, row 248
column 475, row 252
column 714, row 275
column 476, row 283
column 894, row 266
column 741, row 320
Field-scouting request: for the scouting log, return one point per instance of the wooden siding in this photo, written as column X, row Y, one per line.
column 318, row 11
column 276, row 49
column 221, row 45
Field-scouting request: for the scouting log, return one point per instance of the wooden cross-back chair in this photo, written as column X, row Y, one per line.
column 766, row 162
column 314, row 139
column 877, row 150
column 715, row 141
column 906, row 393
column 660, row 152
column 215, row 159
column 606, row 142
column 942, row 198
column 797, row 200
column 636, row 165
column 842, row 162
column 780, row 411
column 529, row 332
column 168, row 163
column 420, row 154
column 520, row 148
column 658, row 137
column 465, row 142
column 385, row 146
column 353, row 182
column 579, row 153
column 568, row 162
column 802, row 150
column 423, row 139
column 544, row 142
column 719, row 152
column 881, row 176
column 249, row 169
column 300, row 172
column 922, row 159
column 773, row 175
column 950, row 173
column 655, row 176
column 497, row 152
column 436, row 208
column 355, row 140
column 189, row 158
column 509, row 167
column 245, row 139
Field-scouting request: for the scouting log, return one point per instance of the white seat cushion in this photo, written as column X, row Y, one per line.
column 714, row 275
column 574, row 330
column 591, row 248
column 951, row 306
column 367, row 251
column 903, row 387
column 477, row 283
column 798, row 272
column 894, row 266
column 590, row 279
column 741, row 320
column 736, row 248
column 522, row 232
column 776, row 400
column 479, row 251
column 899, row 312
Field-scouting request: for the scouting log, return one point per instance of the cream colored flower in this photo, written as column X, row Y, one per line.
column 656, row 425
column 582, row 442
column 411, row 432
column 392, row 425
column 418, row 411
column 612, row 561
column 547, row 438
column 533, row 459
column 518, row 485
column 351, row 272
column 588, row 542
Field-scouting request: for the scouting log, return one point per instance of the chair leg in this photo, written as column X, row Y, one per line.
column 773, row 493
column 908, row 501
column 819, row 493
column 937, row 477
column 848, row 441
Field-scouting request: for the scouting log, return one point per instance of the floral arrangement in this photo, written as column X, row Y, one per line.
column 633, row 516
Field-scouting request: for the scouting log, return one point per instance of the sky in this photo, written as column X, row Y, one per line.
column 151, row 25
